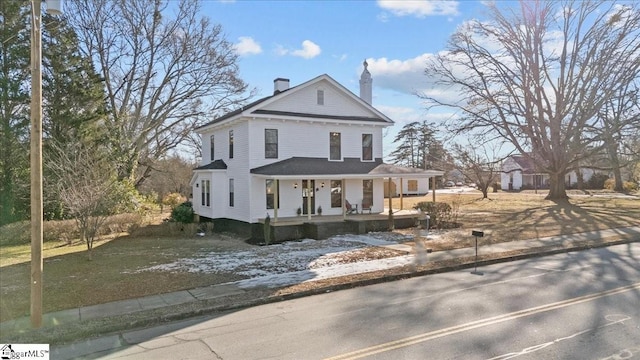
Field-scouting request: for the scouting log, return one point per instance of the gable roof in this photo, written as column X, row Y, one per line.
column 257, row 107
column 525, row 163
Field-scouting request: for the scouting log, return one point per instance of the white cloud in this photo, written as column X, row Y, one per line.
column 341, row 57
column 400, row 115
column 247, row 46
column 405, row 76
column 309, row 50
column 420, row 8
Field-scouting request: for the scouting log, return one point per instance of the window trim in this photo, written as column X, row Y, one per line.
column 320, row 97
column 267, row 194
column 370, row 147
column 206, row 193
column 367, row 194
column 331, row 146
column 331, row 187
column 266, row 150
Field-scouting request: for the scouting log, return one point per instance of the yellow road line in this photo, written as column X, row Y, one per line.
column 392, row 345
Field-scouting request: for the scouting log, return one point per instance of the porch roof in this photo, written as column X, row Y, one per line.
column 214, row 165
column 296, row 167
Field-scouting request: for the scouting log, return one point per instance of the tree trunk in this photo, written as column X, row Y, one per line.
column 557, row 189
column 617, row 175
column 579, row 179
column 485, row 192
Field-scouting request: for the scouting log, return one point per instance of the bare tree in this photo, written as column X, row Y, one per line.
column 87, row 187
column 166, row 71
column 170, row 175
column 479, row 163
column 620, row 120
column 538, row 76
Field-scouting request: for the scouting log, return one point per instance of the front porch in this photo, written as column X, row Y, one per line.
column 324, row 226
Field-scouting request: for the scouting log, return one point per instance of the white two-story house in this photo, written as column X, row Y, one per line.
column 302, row 151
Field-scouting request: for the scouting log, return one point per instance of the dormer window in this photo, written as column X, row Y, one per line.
column 320, row 97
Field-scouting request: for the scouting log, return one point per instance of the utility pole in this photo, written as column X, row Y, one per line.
column 54, row 7
column 36, row 164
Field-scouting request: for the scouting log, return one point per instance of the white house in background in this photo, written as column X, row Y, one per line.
column 407, row 186
column 519, row 172
column 312, row 146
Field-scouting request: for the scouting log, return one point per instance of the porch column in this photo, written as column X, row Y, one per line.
column 433, row 191
column 401, row 191
column 309, row 199
column 343, row 191
column 275, row 201
column 390, row 224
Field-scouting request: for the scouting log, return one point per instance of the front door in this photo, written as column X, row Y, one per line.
column 308, row 191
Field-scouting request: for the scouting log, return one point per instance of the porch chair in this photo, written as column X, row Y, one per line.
column 350, row 208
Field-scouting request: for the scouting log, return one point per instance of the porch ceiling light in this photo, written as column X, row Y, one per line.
column 295, row 185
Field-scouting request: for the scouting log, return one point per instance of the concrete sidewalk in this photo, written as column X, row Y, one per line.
column 131, row 306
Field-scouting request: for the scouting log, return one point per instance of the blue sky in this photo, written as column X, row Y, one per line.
column 300, row 40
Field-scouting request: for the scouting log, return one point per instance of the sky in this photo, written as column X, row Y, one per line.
column 300, row 40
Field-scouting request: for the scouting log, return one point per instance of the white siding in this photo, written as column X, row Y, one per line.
column 305, row 101
column 310, row 139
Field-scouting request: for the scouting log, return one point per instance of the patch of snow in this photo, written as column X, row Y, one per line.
column 293, row 262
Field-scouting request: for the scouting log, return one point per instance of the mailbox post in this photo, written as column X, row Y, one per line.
column 477, row 234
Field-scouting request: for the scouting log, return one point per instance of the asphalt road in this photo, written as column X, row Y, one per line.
column 583, row 305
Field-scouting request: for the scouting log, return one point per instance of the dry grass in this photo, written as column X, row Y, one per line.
column 70, row 280
column 526, row 215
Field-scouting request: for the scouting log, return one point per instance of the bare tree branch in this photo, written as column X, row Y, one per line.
column 539, row 76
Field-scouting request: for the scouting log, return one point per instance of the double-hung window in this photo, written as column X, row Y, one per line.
column 212, row 147
column 367, row 147
column 334, row 146
column 206, row 192
column 271, row 143
column 231, row 193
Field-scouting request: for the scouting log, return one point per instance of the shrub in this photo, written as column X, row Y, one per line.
column 627, row 186
column 440, row 214
column 60, row 230
column 597, row 181
column 630, row 186
column 173, row 199
column 183, row 213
